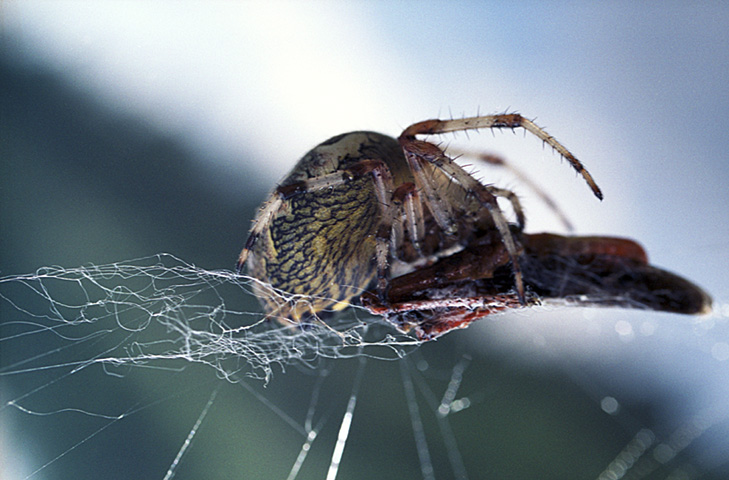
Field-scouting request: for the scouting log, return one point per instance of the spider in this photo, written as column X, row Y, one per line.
column 363, row 208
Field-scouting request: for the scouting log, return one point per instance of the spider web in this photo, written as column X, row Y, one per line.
column 162, row 315
column 163, row 309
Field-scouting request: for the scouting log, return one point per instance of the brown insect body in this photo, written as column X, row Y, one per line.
column 560, row 270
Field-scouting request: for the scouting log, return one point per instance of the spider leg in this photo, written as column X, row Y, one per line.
column 513, row 199
column 417, row 152
column 523, row 178
column 512, row 120
column 262, row 220
column 383, row 237
column 407, row 198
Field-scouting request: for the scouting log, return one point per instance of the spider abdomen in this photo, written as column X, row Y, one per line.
column 320, row 244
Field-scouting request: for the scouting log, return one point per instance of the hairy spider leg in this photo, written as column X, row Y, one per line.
column 262, row 220
column 510, row 120
column 499, row 161
column 513, row 199
column 418, row 152
column 407, row 198
column 384, row 191
column 515, row 203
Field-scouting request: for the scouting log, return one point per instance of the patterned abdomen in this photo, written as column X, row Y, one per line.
column 321, row 245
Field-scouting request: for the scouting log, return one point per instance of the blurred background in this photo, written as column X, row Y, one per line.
column 134, row 128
